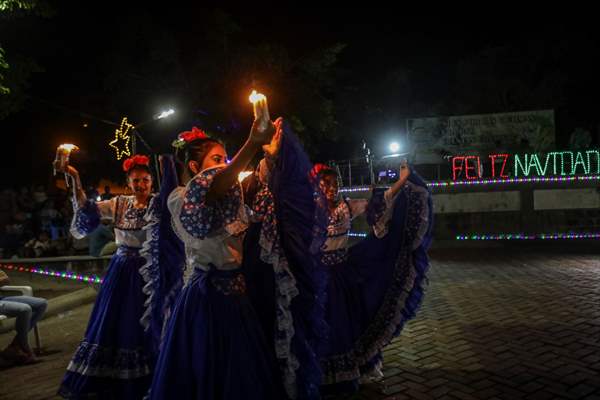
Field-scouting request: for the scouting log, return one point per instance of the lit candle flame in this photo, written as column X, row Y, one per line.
column 261, row 109
column 255, row 97
column 68, row 147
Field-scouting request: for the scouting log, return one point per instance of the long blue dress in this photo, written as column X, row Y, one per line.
column 115, row 359
column 375, row 286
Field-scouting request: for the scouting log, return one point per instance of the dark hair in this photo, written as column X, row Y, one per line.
column 195, row 150
column 327, row 172
column 320, row 171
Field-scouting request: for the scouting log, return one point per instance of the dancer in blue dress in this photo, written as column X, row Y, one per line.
column 116, row 357
column 375, row 286
column 214, row 346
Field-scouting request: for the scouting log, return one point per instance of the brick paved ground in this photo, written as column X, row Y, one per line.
column 60, row 336
column 494, row 325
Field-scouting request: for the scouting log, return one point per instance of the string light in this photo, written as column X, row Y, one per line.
column 357, row 234
column 122, row 138
column 58, row 274
column 589, row 162
column 355, row 189
column 562, row 163
column 536, row 179
column 479, row 182
column 504, row 158
column 578, row 163
column 514, row 236
column 523, row 236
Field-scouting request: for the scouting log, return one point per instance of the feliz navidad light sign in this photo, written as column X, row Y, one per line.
column 500, row 166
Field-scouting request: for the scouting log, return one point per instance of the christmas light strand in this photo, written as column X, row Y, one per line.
column 480, row 182
column 57, row 274
column 523, row 236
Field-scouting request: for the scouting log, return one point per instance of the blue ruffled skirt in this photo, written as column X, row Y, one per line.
column 375, row 288
column 114, row 360
column 215, row 347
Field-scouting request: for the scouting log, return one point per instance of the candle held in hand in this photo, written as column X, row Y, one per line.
column 261, row 109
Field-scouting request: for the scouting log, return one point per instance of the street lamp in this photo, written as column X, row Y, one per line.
column 165, row 114
column 136, row 134
column 394, row 147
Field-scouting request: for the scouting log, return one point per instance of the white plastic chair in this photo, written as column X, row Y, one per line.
column 25, row 291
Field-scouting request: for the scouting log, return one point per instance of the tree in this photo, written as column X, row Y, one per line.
column 3, row 66
column 213, row 71
column 16, row 69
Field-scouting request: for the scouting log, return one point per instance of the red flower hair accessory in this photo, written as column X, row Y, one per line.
column 137, row 159
column 318, row 168
column 185, row 137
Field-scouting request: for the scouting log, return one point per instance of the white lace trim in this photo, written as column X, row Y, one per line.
column 424, row 217
column 380, row 227
column 153, row 219
column 286, row 291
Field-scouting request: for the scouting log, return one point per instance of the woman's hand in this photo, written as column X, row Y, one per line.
column 404, row 172
column 259, row 136
column 272, row 149
column 69, row 170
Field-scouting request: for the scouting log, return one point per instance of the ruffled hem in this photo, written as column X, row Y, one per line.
column 400, row 305
column 286, row 291
column 149, row 270
column 155, row 309
column 402, row 299
column 108, row 362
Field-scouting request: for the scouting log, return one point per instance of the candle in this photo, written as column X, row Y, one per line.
column 243, row 175
column 261, row 109
column 61, row 160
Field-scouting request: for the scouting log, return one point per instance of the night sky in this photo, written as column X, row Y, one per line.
column 76, row 50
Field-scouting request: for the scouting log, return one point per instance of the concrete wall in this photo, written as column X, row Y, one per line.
column 566, row 199
column 476, row 202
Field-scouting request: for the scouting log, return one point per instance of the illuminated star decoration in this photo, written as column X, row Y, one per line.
column 122, row 138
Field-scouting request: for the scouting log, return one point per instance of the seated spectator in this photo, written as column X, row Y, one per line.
column 25, row 200
column 28, row 311
column 47, row 214
column 17, row 233
column 107, row 195
column 43, row 246
column 40, row 196
column 92, row 193
column 8, row 205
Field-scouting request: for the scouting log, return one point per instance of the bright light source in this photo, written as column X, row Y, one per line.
column 165, row 114
column 68, row 147
column 98, row 198
column 254, row 97
column 243, row 175
column 394, row 147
